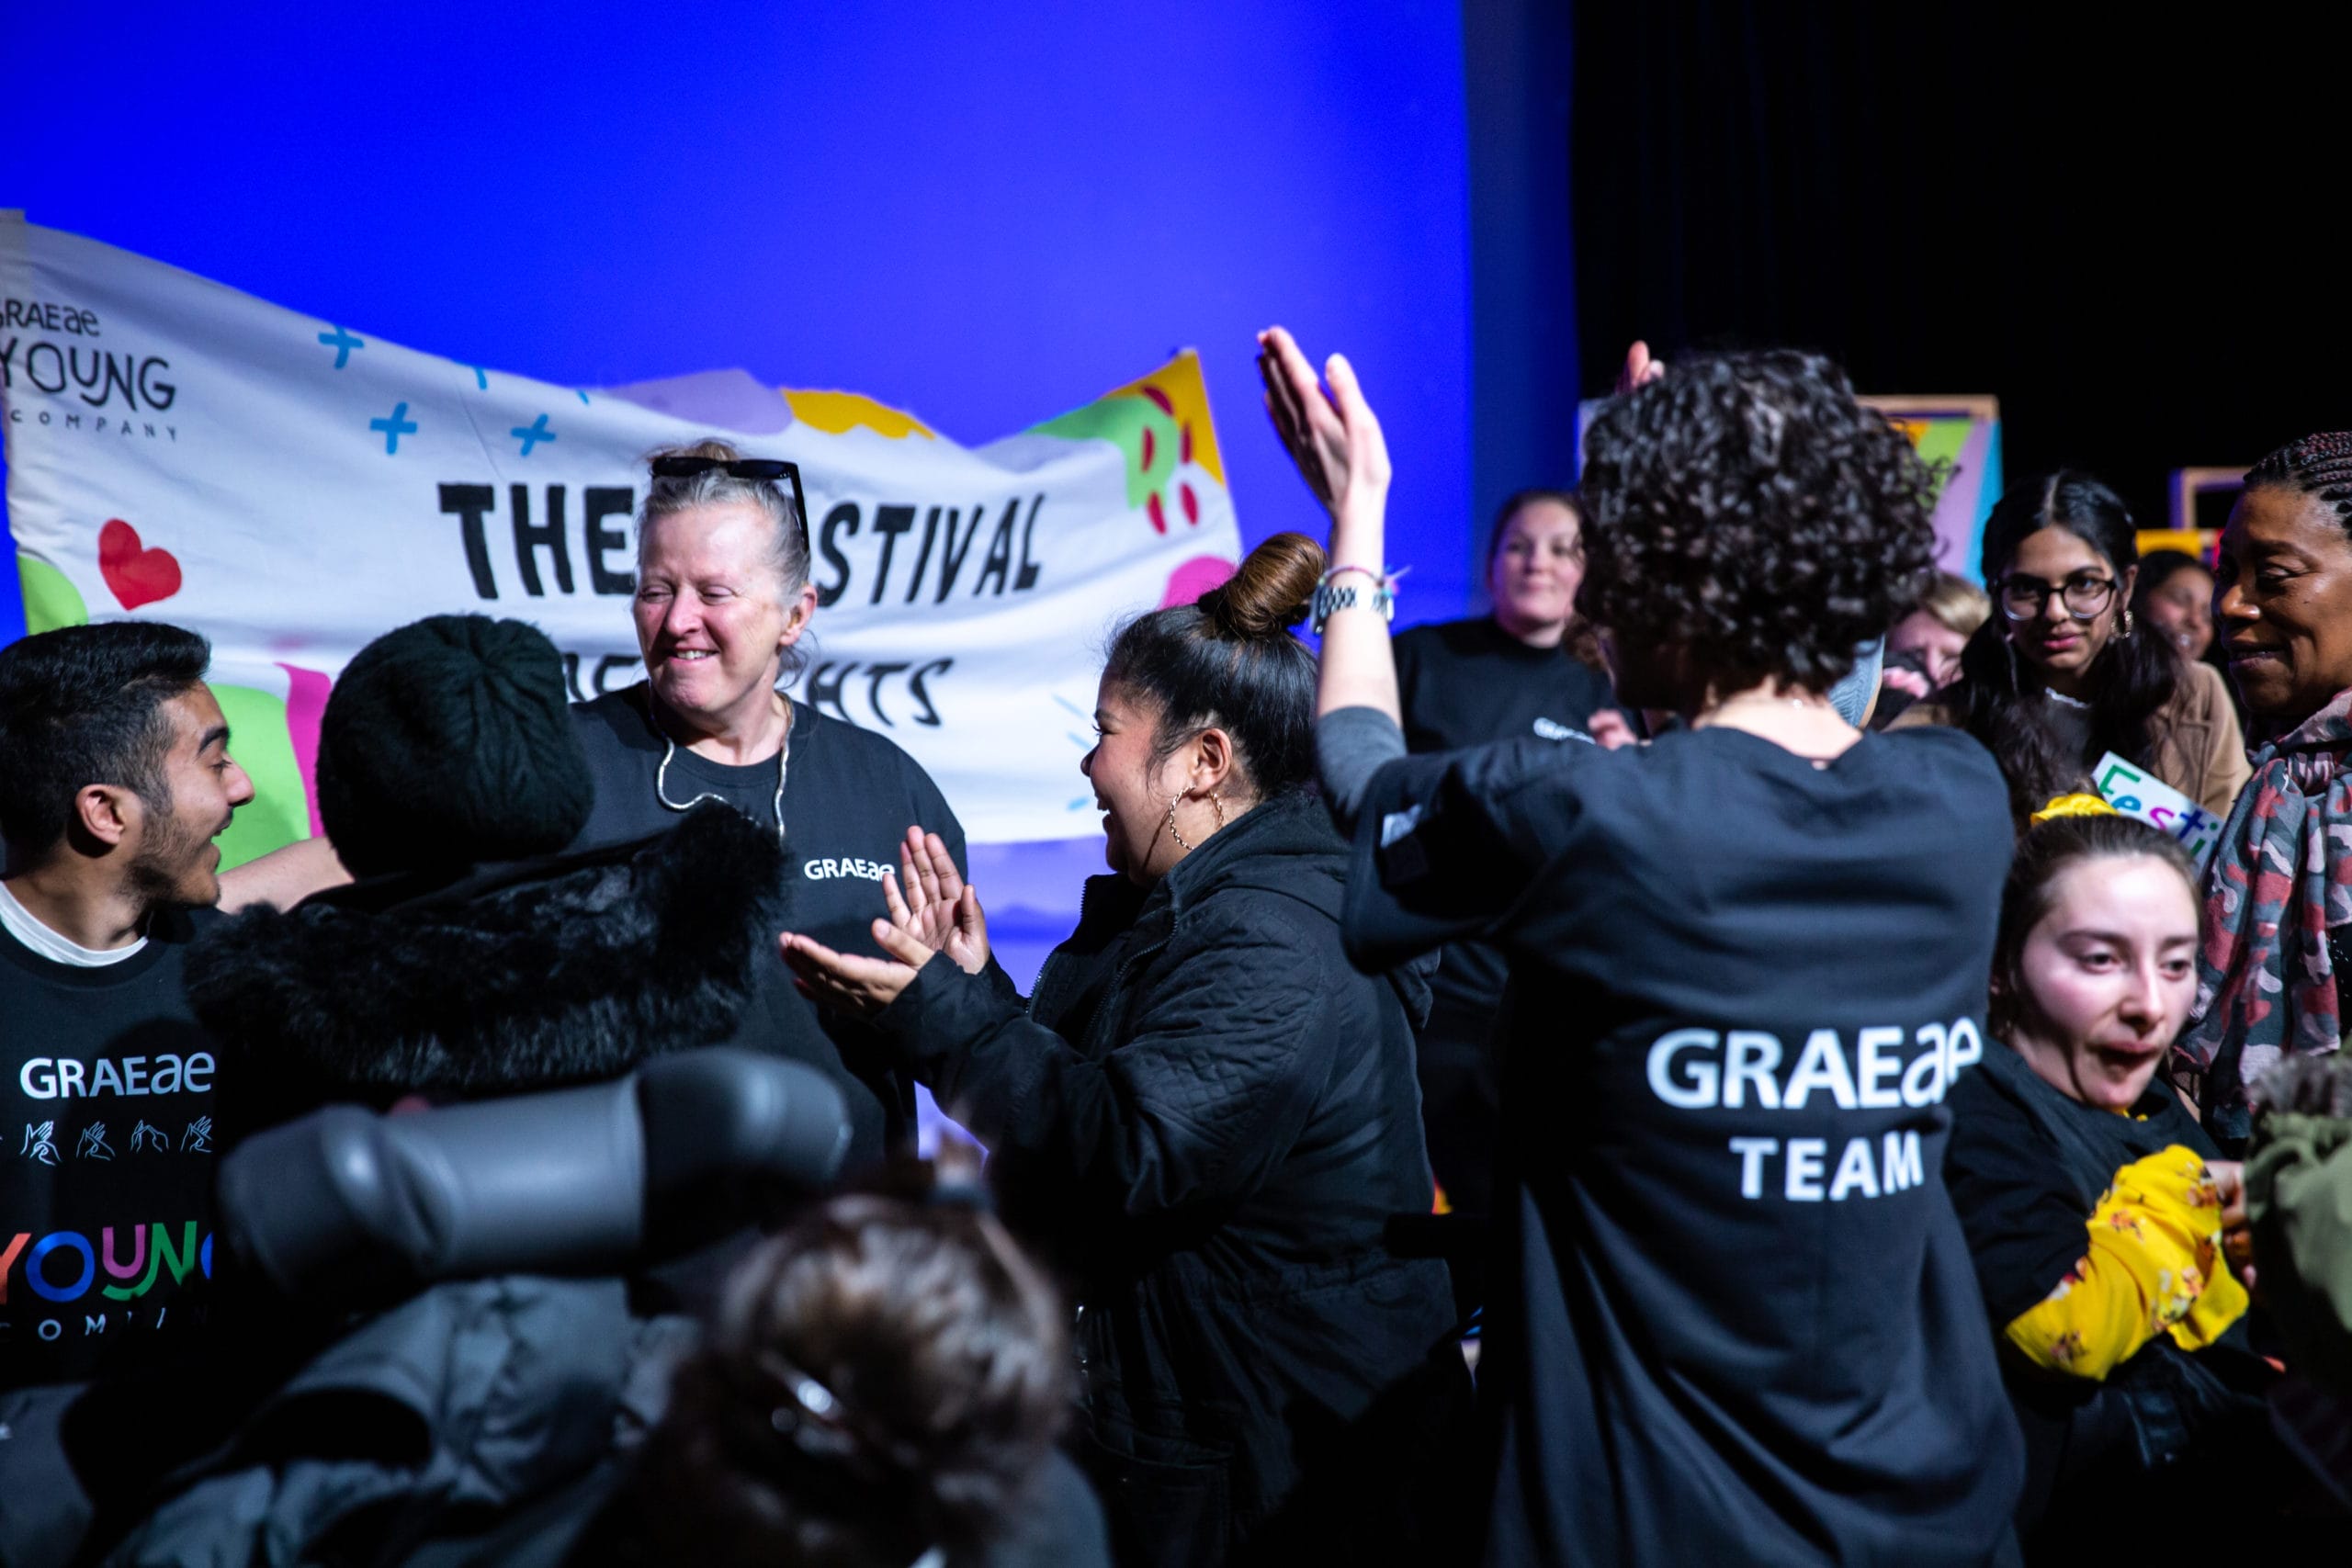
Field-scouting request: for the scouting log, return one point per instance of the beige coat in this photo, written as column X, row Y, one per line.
column 2199, row 748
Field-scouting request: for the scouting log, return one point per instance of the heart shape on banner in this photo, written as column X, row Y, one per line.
column 135, row 575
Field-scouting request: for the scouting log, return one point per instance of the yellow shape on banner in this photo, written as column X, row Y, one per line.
column 50, row 599
column 838, row 413
column 1178, row 389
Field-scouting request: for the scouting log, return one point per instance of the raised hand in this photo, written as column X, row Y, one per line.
column 848, row 982
column 937, row 907
column 1334, row 439
column 1640, row 369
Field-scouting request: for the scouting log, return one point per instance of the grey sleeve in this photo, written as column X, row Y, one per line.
column 1350, row 745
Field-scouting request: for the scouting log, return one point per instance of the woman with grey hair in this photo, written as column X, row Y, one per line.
column 722, row 602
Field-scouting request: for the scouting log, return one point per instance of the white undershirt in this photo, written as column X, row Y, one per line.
column 21, row 923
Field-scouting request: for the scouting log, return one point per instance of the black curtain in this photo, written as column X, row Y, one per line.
column 2129, row 226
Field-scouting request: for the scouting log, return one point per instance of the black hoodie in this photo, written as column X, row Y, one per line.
column 1209, row 1119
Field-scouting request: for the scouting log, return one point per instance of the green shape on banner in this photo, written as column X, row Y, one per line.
column 50, row 599
column 1940, row 440
column 1137, row 427
column 279, row 812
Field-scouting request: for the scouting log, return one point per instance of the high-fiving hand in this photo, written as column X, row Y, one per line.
column 933, row 909
column 938, row 908
column 1334, row 438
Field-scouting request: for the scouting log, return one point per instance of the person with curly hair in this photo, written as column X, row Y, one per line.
column 2065, row 673
column 1733, row 1317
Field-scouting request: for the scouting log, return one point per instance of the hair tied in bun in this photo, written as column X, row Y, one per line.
column 1270, row 592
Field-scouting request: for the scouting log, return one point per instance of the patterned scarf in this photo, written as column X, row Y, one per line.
column 2280, row 876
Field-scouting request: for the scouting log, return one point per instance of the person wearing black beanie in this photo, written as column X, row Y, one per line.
column 451, row 741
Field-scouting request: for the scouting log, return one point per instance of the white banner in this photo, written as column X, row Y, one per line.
column 292, row 487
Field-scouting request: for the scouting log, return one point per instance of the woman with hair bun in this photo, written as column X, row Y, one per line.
column 1204, row 1115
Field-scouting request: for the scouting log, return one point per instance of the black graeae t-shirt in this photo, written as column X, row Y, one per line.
column 1465, row 683
column 1730, row 1314
column 849, row 797
column 107, row 1161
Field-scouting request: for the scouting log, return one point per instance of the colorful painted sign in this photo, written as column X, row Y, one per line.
column 1961, row 438
column 2135, row 792
column 292, row 488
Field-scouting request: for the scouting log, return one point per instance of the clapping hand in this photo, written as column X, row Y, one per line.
column 1334, row 439
column 849, row 982
column 937, row 907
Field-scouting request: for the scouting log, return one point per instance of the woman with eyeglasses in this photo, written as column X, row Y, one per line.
column 2063, row 673
column 723, row 600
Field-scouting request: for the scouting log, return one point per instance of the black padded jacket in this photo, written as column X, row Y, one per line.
column 1209, row 1120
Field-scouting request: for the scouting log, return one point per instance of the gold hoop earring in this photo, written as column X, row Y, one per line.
column 1172, row 823
column 2126, row 619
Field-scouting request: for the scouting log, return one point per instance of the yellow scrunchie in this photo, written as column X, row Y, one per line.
column 2075, row 805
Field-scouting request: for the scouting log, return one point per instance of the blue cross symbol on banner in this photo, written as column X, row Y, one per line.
column 343, row 343
column 531, row 434
column 394, row 426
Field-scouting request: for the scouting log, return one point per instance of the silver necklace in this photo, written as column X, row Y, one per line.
column 670, row 750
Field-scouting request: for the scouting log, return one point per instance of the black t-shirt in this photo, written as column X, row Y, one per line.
column 1465, row 683
column 108, row 1161
column 2027, row 1167
column 1731, row 1316
column 849, row 797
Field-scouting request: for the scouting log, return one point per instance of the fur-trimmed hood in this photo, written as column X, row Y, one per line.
column 531, row 976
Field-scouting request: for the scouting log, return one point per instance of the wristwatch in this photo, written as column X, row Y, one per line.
column 1332, row 597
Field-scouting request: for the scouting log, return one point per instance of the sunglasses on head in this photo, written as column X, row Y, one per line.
column 768, row 468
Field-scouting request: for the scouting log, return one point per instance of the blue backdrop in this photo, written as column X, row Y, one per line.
column 983, row 214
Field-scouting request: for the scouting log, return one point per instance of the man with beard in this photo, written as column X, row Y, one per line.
column 114, row 778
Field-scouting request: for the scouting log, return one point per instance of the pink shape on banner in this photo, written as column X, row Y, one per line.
column 306, row 705
column 1194, row 578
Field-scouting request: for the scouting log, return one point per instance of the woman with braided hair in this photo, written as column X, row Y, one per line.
column 2278, row 890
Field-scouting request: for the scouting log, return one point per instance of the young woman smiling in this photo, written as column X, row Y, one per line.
column 2279, row 886
column 2094, row 1204
column 2062, row 674
column 1531, row 669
